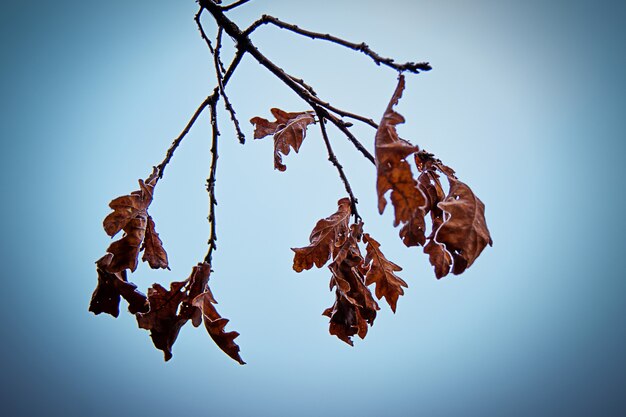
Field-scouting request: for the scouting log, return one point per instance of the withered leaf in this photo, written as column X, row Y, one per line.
column 106, row 297
column 215, row 324
column 327, row 235
column 382, row 273
column 439, row 257
column 130, row 214
column 162, row 319
column 152, row 247
column 170, row 309
column 464, row 230
column 393, row 171
column 198, row 283
column 354, row 308
column 289, row 130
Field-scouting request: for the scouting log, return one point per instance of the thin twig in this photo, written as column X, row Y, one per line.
column 333, row 159
column 235, row 4
column 218, row 72
column 170, row 152
column 179, row 139
column 204, row 36
column 210, row 184
column 303, row 84
column 244, row 43
column 360, row 47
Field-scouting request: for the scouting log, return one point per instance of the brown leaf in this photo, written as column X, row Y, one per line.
column 439, row 257
column 354, row 308
column 198, row 283
column 289, row 130
column 170, row 309
column 106, row 297
column 162, row 319
column 327, row 235
column 130, row 213
column 215, row 324
column 382, row 273
column 152, row 246
column 393, row 171
column 464, row 230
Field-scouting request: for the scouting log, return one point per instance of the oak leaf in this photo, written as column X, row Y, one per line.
column 289, row 130
column 152, row 247
column 393, row 171
column 327, row 236
column 112, row 286
column 382, row 273
column 130, row 214
column 162, row 319
column 215, row 324
column 464, row 230
column 354, row 308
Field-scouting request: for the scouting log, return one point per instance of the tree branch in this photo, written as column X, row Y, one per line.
column 333, row 159
column 359, row 47
column 244, row 43
column 210, row 184
column 235, row 4
column 179, row 139
column 218, row 73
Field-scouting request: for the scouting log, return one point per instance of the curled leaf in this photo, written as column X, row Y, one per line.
column 112, row 286
column 464, row 230
column 130, row 214
column 215, row 324
column 327, row 235
column 354, row 308
column 169, row 310
column 289, row 130
column 393, row 171
column 162, row 319
column 153, row 251
column 382, row 273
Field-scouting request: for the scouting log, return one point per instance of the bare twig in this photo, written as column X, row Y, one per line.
column 170, row 152
column 218, row 73
column 360, row 47
column 179, row 139
column 244, row 43
column 333, row 159
column 203, row 34
column 235, row 4
column 210, row 184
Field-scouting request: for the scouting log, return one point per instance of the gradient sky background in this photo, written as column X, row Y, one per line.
column 527, row 101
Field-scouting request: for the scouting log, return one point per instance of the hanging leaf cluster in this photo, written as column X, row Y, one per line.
column 431, row 206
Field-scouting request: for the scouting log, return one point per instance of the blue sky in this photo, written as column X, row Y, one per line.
column 526, row 101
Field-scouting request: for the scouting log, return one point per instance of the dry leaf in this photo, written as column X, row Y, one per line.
column 130, row 214
column 289, row 130
column 106, row 297
column 215, row 324
column 153, row 253
column 162, row 319
column 464, row 230
column 354, row 308
column 382, row 273
column 327, row 235
column 393, row 171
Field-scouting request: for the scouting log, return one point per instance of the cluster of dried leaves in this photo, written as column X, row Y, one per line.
column 458, row 231
column 457, row 234
column 163, row 312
